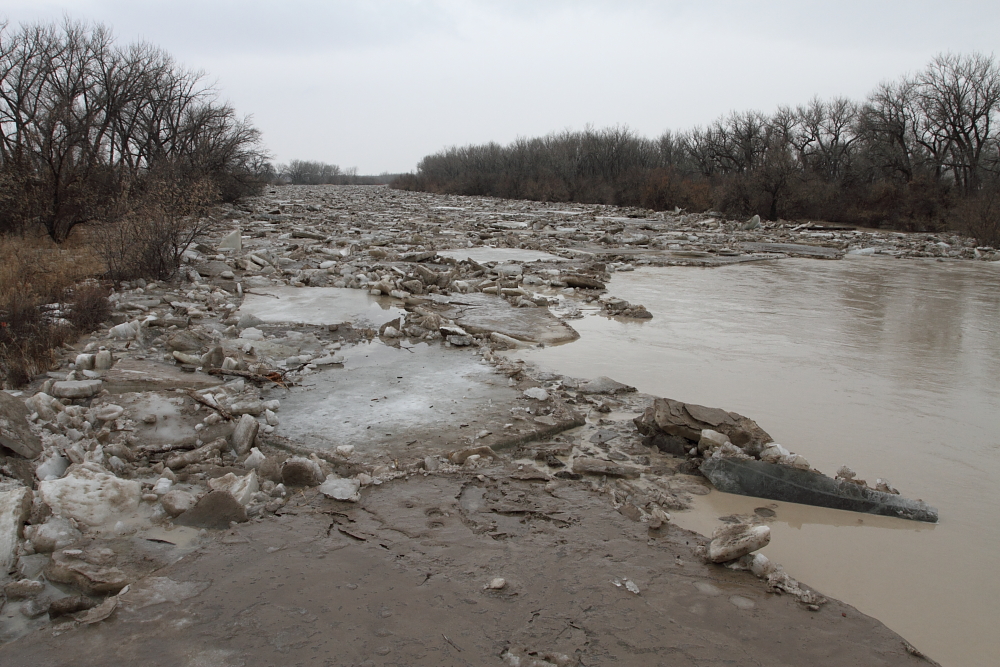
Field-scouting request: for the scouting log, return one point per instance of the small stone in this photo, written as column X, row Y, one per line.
column 213, row 358
column 591, row 466
column 584, row 282
column 711, row 440
column 773, row 453
column 186, row 340
column 884, row 486
column 214, row 511
column 108, row 412
column 23, row 589
column 252, row 333
column 300, row 471
column 604, row 385
column 248, row 320
column 497, row 584
column 761, row 566
column 328, row 360
column 537, row 393
column 254, row 460
column 34, row 608
column 843, row 472
column 126, row 331
column 161, row 486
column 244, row 434
column 53, row 467
column 70, row 605
column 800, row 462
column 460, row 456
column 240, row 488
column 732, row 542
column 250, row 407
column 91, row 571
column 84, row 362
column 176, row 501
column 340, row 488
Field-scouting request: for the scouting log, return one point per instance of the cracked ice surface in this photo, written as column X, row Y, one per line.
column 319, row 305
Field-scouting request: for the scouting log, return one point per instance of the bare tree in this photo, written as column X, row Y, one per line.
column 960, row 98
column 83, row 122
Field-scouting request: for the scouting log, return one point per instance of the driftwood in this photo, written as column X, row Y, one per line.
column 166, row 448
column 226, row 414
column 274, row 376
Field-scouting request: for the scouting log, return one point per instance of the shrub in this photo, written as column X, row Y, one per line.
column 979, row 217
column 27, row 337
column 35, row 272
column 149, row 239
column 87, row 306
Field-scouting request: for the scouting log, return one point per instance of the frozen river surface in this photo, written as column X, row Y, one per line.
column 891, row 367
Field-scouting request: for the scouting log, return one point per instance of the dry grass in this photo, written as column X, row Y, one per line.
column 34, row 272
column 33, row 266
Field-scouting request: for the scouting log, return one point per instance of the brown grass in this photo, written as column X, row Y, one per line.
column 34, row 266
column 34, row 271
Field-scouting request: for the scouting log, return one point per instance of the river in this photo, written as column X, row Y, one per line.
column 889, row 366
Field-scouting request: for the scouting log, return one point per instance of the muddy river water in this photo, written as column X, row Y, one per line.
column 891, row 367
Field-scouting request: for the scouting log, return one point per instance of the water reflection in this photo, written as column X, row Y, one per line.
column 890, row 366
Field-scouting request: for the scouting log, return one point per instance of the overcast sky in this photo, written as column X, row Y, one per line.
column 378, row 85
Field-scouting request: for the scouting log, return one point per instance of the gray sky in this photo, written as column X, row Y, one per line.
column 378, row 85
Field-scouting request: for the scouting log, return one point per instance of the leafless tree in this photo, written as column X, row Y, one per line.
column 959, row 97
column 83, row 122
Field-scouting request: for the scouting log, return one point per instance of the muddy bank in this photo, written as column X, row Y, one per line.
column 404, row 577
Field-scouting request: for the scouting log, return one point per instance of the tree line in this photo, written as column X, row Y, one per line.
column 91, row 130
column 307, row 172
column 918, row 153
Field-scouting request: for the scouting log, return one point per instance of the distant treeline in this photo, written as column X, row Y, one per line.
column 919, row 153
column 305, row 172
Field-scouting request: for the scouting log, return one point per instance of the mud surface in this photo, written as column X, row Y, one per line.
column 401, row 579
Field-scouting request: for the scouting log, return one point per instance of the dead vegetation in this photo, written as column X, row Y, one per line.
column 44, row 300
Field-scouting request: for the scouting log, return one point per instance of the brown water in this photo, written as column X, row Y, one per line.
column 891, row 367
